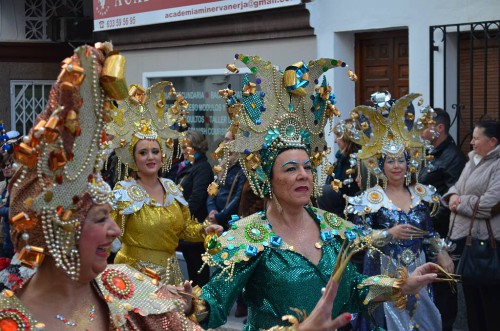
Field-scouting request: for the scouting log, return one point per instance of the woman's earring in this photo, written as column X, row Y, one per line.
column 276, row 202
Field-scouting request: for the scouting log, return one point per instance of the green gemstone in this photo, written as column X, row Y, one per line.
column 234, row 226
column 246, row 60
column 322, row 225
column 253, row 70
column 242, row 246
column 255, row 232
column 334, row 62
column 325, row 69
column 290, row 107
column 290, row 131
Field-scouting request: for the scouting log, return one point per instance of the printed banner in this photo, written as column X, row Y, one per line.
column 118, row 14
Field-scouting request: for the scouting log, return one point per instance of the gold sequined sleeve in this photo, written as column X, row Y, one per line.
column 193, row 230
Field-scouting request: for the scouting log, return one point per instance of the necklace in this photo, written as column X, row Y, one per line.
column 68, row 322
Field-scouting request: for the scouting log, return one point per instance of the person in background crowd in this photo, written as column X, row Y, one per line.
column 442, row 173
column 225, row 204
column 480, row 180
column 194, row 176
column 333, row 200
column 8, row 166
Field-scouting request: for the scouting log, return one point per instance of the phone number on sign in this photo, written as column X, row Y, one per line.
column 117, row 22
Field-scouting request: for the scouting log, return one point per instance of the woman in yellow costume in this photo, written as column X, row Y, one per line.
column 151, row 211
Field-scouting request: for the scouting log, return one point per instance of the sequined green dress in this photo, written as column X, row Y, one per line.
column 274, row 277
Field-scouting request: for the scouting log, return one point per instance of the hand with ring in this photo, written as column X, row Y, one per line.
column 406, row 231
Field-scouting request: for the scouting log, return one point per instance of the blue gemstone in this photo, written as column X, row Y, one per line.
column 247, row 151
column 350, row 235
column 276, row 241
column 262, row 108
column 326, row 235
column 251, row 250
column 265, row 243
column 312, row 97
column 258, row 80
column 234, row 218
column 335, row 232
column 315, row 81
column 224, row 233
column 236, row 55
column 258, row 122
column 319, row 217
column 265, row 146
column 230, row 246
column 262, row 94
column 376, row 279
column 247, row 134
column 230, row 238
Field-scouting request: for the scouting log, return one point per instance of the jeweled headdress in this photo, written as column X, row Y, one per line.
column 61, row 158
column 142, row 116
column 279, row 110
column 391, row 128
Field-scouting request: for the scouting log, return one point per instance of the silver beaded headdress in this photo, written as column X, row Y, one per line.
column 390, row 129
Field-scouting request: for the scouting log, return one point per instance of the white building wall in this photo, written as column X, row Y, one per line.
column 280, row 52
column 336, row 21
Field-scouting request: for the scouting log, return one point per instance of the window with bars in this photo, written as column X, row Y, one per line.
column 38, row 13
column 28, row 99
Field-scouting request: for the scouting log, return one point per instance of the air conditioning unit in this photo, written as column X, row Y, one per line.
column 71, row 29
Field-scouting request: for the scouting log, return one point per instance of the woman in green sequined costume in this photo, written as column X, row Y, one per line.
column 283, row 256
column 296, row 248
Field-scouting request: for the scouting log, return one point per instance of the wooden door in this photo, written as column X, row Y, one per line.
column 381, row 64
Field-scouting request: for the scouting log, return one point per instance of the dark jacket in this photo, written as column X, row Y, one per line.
column 194, row 179
column 7, row 245
column 220, row 203
column 332, row 201
column 442, row 173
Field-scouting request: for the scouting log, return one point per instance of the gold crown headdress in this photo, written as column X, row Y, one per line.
column 62, row 156
column 278, row 110
column 142, row 116
column 392, row 129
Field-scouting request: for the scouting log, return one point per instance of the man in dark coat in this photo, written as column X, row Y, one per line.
column 442, row 173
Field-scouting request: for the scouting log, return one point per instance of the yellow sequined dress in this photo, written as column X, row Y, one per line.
column 151, row 230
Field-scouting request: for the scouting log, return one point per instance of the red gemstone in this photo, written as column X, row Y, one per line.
column 119, row 283
column 59, row 179
column 8, row 324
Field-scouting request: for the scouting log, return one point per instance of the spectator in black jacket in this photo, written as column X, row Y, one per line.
column 331, row 200
column 8, row 171
column 194, row 176
column 226, row 202
column 442, row 173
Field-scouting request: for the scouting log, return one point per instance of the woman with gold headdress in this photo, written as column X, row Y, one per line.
column 284, row 255
column 151, row 211
column 60, row 216
column 397, row 212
